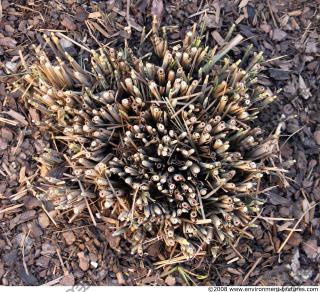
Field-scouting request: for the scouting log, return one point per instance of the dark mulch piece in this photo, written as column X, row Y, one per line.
column 34, row 251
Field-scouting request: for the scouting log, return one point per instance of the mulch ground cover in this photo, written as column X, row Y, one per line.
column 285, row 250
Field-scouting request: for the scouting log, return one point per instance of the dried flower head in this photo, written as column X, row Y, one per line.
column 167, row 145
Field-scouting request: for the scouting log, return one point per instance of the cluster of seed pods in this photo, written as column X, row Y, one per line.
column 167, row 146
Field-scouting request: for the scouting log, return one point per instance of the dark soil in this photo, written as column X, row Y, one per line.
column 35, row 251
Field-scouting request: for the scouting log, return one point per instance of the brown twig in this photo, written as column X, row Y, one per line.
column 50, row 217
column 272, row 16
column 23, row 256
column 53, row 282
column 11, row 208
column 295, row 227
column 251, row 270
column 65, row 271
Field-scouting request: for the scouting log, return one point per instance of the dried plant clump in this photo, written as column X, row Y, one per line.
column 166, row 146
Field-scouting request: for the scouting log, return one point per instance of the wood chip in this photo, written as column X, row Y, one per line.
column 17, row 116
column 278, row 35
column 295, row 13
column 67, row 280
column 170, row 281
column 84, row 262
column 120, row 278
column 69, row 237
column 68, row 23
column 243, row 3
column 96, row 14
column 316, row 137
column 218, row 38
column 311, row 248
column 43, row 220
column 8, row 42
column 34, row 115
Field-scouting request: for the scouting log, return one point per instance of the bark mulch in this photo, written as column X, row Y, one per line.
column 35, row 250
